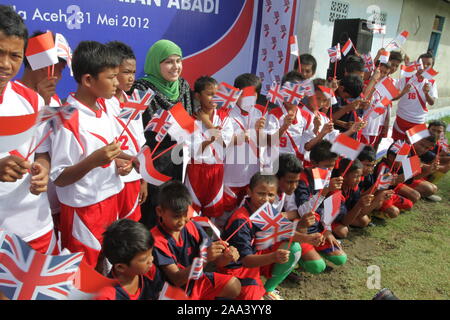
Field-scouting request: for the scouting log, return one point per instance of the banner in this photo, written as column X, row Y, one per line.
column 219, row 38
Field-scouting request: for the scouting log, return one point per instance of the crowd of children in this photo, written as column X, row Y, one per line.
column 81, row 188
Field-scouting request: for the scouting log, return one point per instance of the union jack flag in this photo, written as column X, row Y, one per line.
column 63, row 50
column 266, row 239
column 196, row 269
column 136, row 104
column 293, row 92
column 368, row 62
column 267, row 218
column 308, row 87
column 384, row 179
column 204, row 250
column 160, row 124
column 226, row 96
column 335, row 53
column 275, row 94
column 56, row 115
column 26, row 274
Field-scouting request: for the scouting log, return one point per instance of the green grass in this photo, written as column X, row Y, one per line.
column 412, row 252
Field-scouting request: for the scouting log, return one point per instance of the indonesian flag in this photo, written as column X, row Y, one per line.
column 63, row 50
column 275, row 94
column 417, row 133
column 429, row 73
column 384, row 56
column 16, row 130
column 206, row 223
column 321, row 178
column 147, row 169
column 387, row 88
column 183, row 125
column 169, row 292
column 411, row 167
column 377, row 28
column 376, row 111
column 417, row 64
column 347, row 47
column 383, row 147
column 398, row 41
column 403, row 153
column 331, row 208
column 347, row 147
column 41, row 51
column 293, row 44
column 407, row 71
column 248, row 97
column 329, row 93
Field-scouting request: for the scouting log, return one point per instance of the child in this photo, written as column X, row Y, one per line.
column 128, row 246
column 354, row 66
column 87, row 183
column 204, row 173
column 437, row 128
column 177, row 243
column 286, row 124
column 305, row 197
column 242, row 160
column 308, row 66
column 24, row 208
column 274, row 263
column 134, row 192
column 416, row 93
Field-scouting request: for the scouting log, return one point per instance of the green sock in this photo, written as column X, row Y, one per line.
column 313, row 266
column 281, row 271
column 337, row 260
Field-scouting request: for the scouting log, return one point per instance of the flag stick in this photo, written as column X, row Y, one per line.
column 317, row 200
column 235, row 231
column 48, row 72
column 37, row 146
column 165, row 151
column 126, row 126
column 335, row 68
column 157, row 145
column 299, row 64
column 375, row 185
column 53, row 70
column 267, row 106
column 293, row 234
column 348, row 167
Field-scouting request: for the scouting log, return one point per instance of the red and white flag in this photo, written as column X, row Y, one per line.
column 226, row 95
column 16, row 130
column 403, row 152
column 377, row 28
column 321, row 178
column 411, row 167
column 293, row 45
column 170, row 292
column 63, row 50
column 182, row 124
column 147, row 169
column 407, row 71
column 429, row 73
column 335, row 53
column 417, row 133
column 347, row 147
column 387, row 88
column 331, row 208
column 384, row 56
column 398, row 42
column 275, row 94
column 205, row 222
column 248, row 97
column 41, row 51
column 329, row 93
column 196, row 269
column 347, row 47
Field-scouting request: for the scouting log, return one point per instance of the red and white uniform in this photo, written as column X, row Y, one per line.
column 242, row 161
column 373, row 129
column 89, row 205
column 132, row 140
column 292, row 140
column 205, row 172
column 412, row 107
column 21, row 212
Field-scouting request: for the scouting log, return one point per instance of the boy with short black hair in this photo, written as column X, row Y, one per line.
column 354, row 66
column 437, row 128
column 128, row 246
column 308, row 65
column 178, row 241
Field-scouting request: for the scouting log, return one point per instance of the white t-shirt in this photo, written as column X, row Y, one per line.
column 412, row 107
column 86, row 132
column 374, row 124
column 22, row 212
column 133, row 137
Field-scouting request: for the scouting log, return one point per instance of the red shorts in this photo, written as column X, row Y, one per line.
column 398, row 201
column 128, row 201
column 232, row 201
column 399, row 128
column 205, row 184
column 369, row 140
column 46, row 244
column 252, row 287
column 82, row 228
column 415, row 183
column 306, row 247
column 209, row 286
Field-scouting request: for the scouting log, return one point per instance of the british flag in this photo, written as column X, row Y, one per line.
column 293, row 92
column 335, row 53
column 267, row 218
column 384, row 178
column 26, row 274
column 160, row 124
column 136, row 104
column 266, row 239
column 275, row 94
column 226, row 96
column 56, row 115
column 204, row 250
column 63, row 50
column 368, row 62
column 196, row 269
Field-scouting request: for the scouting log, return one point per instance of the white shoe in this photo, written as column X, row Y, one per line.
column 434, row 198
column 273, row 295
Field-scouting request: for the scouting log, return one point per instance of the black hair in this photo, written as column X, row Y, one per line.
column 427, row 55
column 292, row 76
column 35, row 34
column 12, row 25
column 431, row 138
column 344, row 163
column 322, row 152
column 306, row 59
column 92, row 57
column 319, row 82
column 288, row 163
column 354, row 64
column 247, row 80
column 396, row 55
column 123, row 50
column 353, row 85
column 173, row 195
column 262, row 178
column 202, row 82
column 367, row 154
column 437, row 123
column 124, row 239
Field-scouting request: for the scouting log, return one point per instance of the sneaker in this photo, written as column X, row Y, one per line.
column 273, row 295
column 434, row 198
column 294, row 277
